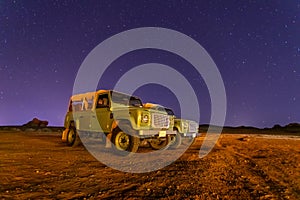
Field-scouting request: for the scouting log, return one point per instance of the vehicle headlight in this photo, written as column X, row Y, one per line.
column 145, row 118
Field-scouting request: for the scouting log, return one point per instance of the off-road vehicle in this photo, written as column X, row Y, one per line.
column 121, row 117
column 183, row 127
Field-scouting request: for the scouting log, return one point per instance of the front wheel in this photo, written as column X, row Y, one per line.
column 176, row 141
column 125, row 143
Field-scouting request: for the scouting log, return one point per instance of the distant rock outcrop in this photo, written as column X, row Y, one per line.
column 276, row 126
column 36, row 123
column 295, row 125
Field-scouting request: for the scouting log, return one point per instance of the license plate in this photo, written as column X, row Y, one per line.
column 162, row 133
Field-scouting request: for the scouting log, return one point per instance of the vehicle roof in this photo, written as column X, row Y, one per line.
column 154, row 105
column 90, row 95
column 87, row 95
column 151, row 105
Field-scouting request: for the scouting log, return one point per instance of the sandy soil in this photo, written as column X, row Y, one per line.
column 39, row 166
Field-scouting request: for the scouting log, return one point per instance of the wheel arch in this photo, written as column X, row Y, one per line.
column 118, row 123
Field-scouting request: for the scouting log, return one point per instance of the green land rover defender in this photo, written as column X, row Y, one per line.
column 120, row 117
column 183, row 127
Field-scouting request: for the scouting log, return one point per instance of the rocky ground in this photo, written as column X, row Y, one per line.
column 37, row 165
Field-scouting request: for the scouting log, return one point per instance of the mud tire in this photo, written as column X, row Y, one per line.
column 124, row 141
column 160, row 143
column 73, row 139
column 176, row 141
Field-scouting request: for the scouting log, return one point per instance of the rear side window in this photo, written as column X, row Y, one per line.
column 75, row 106
column 81, row 105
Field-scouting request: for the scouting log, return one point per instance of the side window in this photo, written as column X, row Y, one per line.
column 102, row 101
column 90, row 103
column 87, row 104
column 76, row 106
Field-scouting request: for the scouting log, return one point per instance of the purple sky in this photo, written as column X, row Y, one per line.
column 255, row 44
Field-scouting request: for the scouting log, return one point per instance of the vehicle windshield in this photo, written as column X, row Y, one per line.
column 161, row 108
column 169, row 111
column 126, row 100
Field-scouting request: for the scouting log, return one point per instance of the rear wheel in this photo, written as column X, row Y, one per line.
column 160, row 143
column 72, row 137
column 124, row 140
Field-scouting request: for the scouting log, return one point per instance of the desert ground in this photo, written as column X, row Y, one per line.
column 37, row 165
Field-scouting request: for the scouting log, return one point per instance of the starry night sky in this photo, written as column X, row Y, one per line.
column 255, row 44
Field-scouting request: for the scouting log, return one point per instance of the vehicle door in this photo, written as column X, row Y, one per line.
column 102, row 116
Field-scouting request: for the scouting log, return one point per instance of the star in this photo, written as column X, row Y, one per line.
column 254, row 45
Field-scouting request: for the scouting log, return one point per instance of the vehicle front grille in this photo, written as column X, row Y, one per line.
column 193, row 127
column 160, row 121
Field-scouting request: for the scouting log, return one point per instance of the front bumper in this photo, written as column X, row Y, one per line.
column 160, row 133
